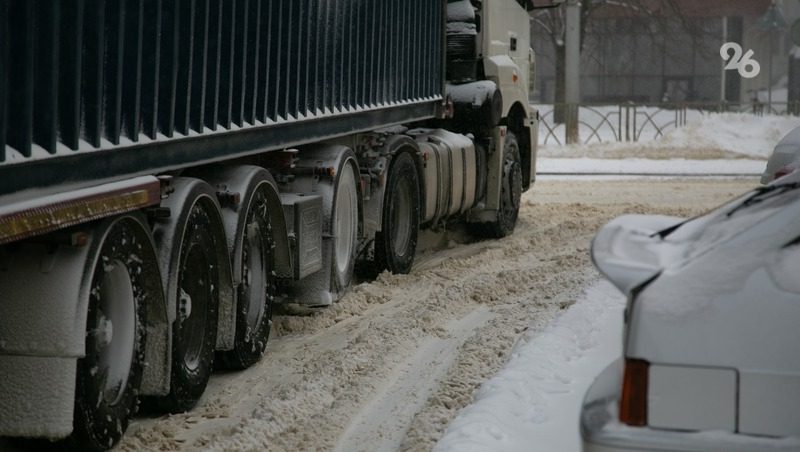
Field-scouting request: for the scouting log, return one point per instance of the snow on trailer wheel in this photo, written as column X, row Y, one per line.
column 197, row 279
column 250, row 209
column 85, row 309
column 124, row 278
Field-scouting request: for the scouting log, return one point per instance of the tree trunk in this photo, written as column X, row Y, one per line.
column 559, row 109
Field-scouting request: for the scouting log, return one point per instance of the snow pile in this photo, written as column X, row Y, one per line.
column 704, row 136
column 534, row 402
column 738, row 133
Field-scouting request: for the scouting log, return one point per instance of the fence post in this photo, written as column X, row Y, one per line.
column 628, row 121
column 677, row 116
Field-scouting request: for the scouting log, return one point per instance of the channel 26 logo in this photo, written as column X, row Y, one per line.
column 746, row 65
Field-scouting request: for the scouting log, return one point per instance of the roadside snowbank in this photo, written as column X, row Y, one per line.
column 737, row 133
column 534, row 402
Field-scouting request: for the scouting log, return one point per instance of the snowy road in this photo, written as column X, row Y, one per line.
column 394, row 362
column 534, row 402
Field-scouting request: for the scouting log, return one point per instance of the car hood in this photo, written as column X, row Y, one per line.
column 634, row 249
column 721, row 289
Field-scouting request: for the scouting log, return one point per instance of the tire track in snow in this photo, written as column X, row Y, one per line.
column 383, row 423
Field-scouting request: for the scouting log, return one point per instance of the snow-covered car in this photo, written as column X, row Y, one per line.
column 711, row 342
column 785, row 158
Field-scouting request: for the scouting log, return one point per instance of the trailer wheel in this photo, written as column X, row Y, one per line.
column 194, row 330
column 125, row 276
column 510, row 194
column 257, row 289
column 345, row 228
column 396, row 244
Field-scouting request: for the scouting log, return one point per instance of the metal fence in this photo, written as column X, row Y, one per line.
column 633, row 122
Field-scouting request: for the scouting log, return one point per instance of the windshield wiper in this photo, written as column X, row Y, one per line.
column 764, row 193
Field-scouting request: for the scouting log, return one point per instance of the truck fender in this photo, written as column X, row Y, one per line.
column 477, row 105
column 235, row 179
column 181, row 191
column 502, row 70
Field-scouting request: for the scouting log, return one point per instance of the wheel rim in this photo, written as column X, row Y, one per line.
column 116, row 329
column 253, row 276
column 193, row 301
column 401, row 217
column 345, row 221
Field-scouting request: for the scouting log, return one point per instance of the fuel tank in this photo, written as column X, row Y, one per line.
column 452, row 165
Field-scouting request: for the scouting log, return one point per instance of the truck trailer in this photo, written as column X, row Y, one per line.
column 172, row 169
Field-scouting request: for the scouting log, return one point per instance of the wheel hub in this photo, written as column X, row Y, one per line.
column 401, row 218
column 116, row 330
column 194, row 298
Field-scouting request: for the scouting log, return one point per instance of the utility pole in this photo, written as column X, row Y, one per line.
column 572, row 69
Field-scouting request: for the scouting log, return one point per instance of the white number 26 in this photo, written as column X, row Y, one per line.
column 746, row 65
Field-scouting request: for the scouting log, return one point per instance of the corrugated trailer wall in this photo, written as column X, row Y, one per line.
column 101, row 89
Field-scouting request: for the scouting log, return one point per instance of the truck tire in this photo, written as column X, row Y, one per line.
column 396, row 243
column 196, row 262
column 256, row 292
column 510, row 194
column 125, row 275
column 344, row 226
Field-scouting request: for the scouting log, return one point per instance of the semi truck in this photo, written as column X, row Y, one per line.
column 170, row 170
